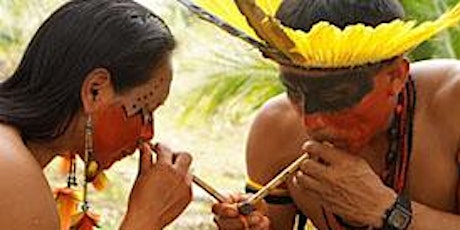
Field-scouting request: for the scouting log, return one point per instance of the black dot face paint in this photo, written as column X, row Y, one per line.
column 148, row 96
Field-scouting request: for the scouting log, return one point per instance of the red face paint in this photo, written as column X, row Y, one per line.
column 119, row 127
column 353, row 127
column 116, row 135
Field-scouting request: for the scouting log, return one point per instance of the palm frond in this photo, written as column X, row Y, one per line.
column 233, row 92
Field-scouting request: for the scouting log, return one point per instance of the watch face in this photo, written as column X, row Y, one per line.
column 399, row 219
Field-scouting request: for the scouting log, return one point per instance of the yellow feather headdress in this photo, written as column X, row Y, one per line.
column 325, row 45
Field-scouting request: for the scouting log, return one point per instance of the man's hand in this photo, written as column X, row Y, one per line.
column 346, row 184
column 227, row 216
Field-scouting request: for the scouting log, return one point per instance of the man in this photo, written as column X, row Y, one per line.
column 383, row 136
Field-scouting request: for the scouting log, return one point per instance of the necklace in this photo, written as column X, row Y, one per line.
column 400, row 136
column 399, row 151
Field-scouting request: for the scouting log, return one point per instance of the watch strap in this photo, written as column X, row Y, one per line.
column 399, row 215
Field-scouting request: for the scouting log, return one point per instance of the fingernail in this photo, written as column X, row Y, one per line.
column 299, row 173
column 254, row 219
column 307, row 145
column 231, row 212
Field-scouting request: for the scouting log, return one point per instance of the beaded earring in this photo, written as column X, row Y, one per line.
column 86, row 220
column 68, row 198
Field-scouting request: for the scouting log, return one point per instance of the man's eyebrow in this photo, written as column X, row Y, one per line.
column 344, row 86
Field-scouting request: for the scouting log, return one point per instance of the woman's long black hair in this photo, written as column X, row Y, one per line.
column 43, row 94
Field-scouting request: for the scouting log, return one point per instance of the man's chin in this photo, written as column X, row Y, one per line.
column 355, row 148
column 356, row 145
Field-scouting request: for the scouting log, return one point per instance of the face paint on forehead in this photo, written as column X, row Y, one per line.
column 327, row 91
column 148, row 97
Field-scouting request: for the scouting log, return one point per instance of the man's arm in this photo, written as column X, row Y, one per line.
column 426, row 218
column 274, row 142
column 353, row 191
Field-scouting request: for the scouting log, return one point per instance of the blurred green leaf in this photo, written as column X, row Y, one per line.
column 19, row 21
column 447, row 43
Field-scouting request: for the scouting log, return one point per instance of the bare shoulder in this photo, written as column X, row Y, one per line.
column 275, row 139
column 438, row 81
column 277, row 113
column 26, row 197
column 437, row 75
column 438, row 92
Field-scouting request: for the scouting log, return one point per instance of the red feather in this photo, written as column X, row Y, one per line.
column 85, row 221
column 67, row 201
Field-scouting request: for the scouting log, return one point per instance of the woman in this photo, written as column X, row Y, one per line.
column 88, row 84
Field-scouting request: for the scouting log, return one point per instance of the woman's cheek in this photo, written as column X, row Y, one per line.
column 114, row 134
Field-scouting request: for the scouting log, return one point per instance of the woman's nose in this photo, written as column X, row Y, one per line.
column 148, row 129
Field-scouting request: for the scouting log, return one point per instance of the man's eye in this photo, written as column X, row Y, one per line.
column 338, row 92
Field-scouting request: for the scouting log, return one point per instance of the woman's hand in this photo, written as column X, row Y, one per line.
column 227, row 216
column 161, row 191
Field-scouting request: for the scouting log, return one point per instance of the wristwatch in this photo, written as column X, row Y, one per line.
column 399, row 215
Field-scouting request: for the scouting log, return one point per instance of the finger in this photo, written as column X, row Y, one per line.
column 225, row 210
column 307, row 182
column 145, row 159
column 254, row 219
column 263, row 224
column 238, row 197
column 244, row 221
column 164, row 154
column 228, row 199
column 231, row 223
column 327, row 153
column 313, row 168
column 182, row 162
column 188, row 179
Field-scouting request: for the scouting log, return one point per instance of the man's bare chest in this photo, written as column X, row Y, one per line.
column 433, row 172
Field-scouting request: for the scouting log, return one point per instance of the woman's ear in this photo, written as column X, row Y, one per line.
column 96, row 90
column 398, row 75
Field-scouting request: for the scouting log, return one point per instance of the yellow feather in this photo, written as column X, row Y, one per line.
column 325, row 45
column 268, row 28
column 270, row 7
column 67, row 201
column 100, row 182
column 227, row 11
